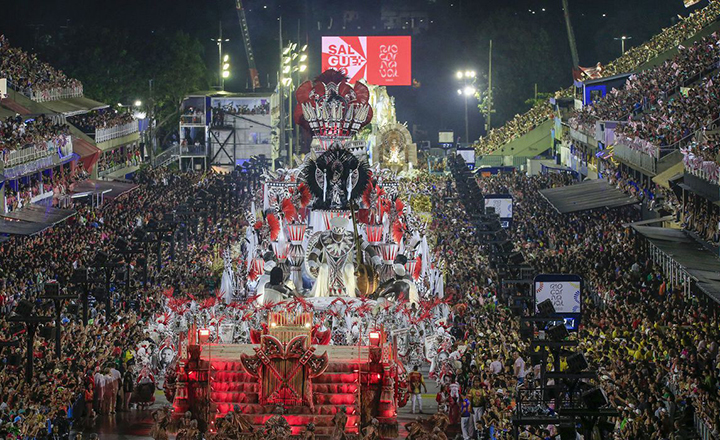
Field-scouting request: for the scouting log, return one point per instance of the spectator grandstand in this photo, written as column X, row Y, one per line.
column 632, row 59
column 34, row 78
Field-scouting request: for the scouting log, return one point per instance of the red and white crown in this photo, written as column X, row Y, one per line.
column 331, row 108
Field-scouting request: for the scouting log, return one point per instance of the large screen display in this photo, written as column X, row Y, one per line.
column 565, row 292
column 468, row 155
column 503, row 205
column 382, row 61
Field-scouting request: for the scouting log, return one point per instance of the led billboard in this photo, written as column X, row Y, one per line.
column 382, row 61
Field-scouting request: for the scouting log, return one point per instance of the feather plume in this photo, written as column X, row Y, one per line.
column 399, row 206
column 305, row 195
column 398, row 230
column 331, row 76
column 367, row 194
column 289, row 210
column 418, row 268
column 274, row 225
column 258, row 224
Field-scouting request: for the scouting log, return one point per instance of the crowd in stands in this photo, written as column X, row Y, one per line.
column 669, row 38
column 192, row 115
column 651, row 88
column 655, row 348
column 20, row 193
column 93, row 369
column 518, row 126
column 17, row 132
column 219, row 112
column 125, row 156
column 26, row 73
column 97, row 119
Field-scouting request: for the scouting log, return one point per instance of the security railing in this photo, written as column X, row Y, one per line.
column 61, row 144
column 192, row 150
column 55, row 94
column 166, row 156
column 192, row 119
column 106, row 134
column 704, row 430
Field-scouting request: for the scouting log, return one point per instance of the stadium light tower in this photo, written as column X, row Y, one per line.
column 223, row 72
column 622, row 42
column 467, row 79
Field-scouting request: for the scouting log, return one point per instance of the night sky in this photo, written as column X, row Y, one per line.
column 457, row 38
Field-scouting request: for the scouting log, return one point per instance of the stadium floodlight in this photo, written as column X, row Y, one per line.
column 459, row 75
column 303, row 67
column 469, row 90
column 138, row 103
column 286, row 69
column 303, row 57
column 226, row 58
column 460, row 92
column 226, row 74
column 304, row 48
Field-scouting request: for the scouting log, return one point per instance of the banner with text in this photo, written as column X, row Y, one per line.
column 382, row 61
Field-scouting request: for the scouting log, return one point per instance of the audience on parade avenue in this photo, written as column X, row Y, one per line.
column 18, row 131
column 514, row 128
column 97, row 119
column 633, row 58
column 83, row 382
column 651, row 88
column 125, row 156
column 26, row 73
column 20, row 192
column 219, row 112
column 640, row 332
column 668, row 39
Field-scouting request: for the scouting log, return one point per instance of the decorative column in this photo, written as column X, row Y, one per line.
column 389, row 252
column 281, row 249
column 296, row 254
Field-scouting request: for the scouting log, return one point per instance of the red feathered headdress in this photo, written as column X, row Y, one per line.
column 274, row 225
column 305, row 196
column 418, row 268
column 398, row 230
column 288, row 209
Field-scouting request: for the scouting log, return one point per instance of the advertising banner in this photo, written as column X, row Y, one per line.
column 382, row 61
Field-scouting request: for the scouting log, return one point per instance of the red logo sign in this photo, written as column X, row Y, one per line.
column 383, row 61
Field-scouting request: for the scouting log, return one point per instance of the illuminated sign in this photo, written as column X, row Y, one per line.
column 382, row 61
column 565, row 292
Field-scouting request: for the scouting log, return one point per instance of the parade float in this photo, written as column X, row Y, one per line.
column 334, row 290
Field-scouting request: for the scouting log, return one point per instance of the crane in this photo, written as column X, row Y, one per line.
column 254, row 77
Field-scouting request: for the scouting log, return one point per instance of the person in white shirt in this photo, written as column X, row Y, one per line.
column 99, row 382
column 496, row 366
column 519, row 368
column 114, row 388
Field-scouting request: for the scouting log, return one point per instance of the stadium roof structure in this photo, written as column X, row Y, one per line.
column 73, row 106
column 591, row 194
column 115, row 188
column 226, row 94
column 693, row 256
column 44, row 215
column 21, row 227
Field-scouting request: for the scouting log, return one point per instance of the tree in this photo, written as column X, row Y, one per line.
column 117, row 65
column 527, row 50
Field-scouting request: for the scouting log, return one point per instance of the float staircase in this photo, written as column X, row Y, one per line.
column 230, row 385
